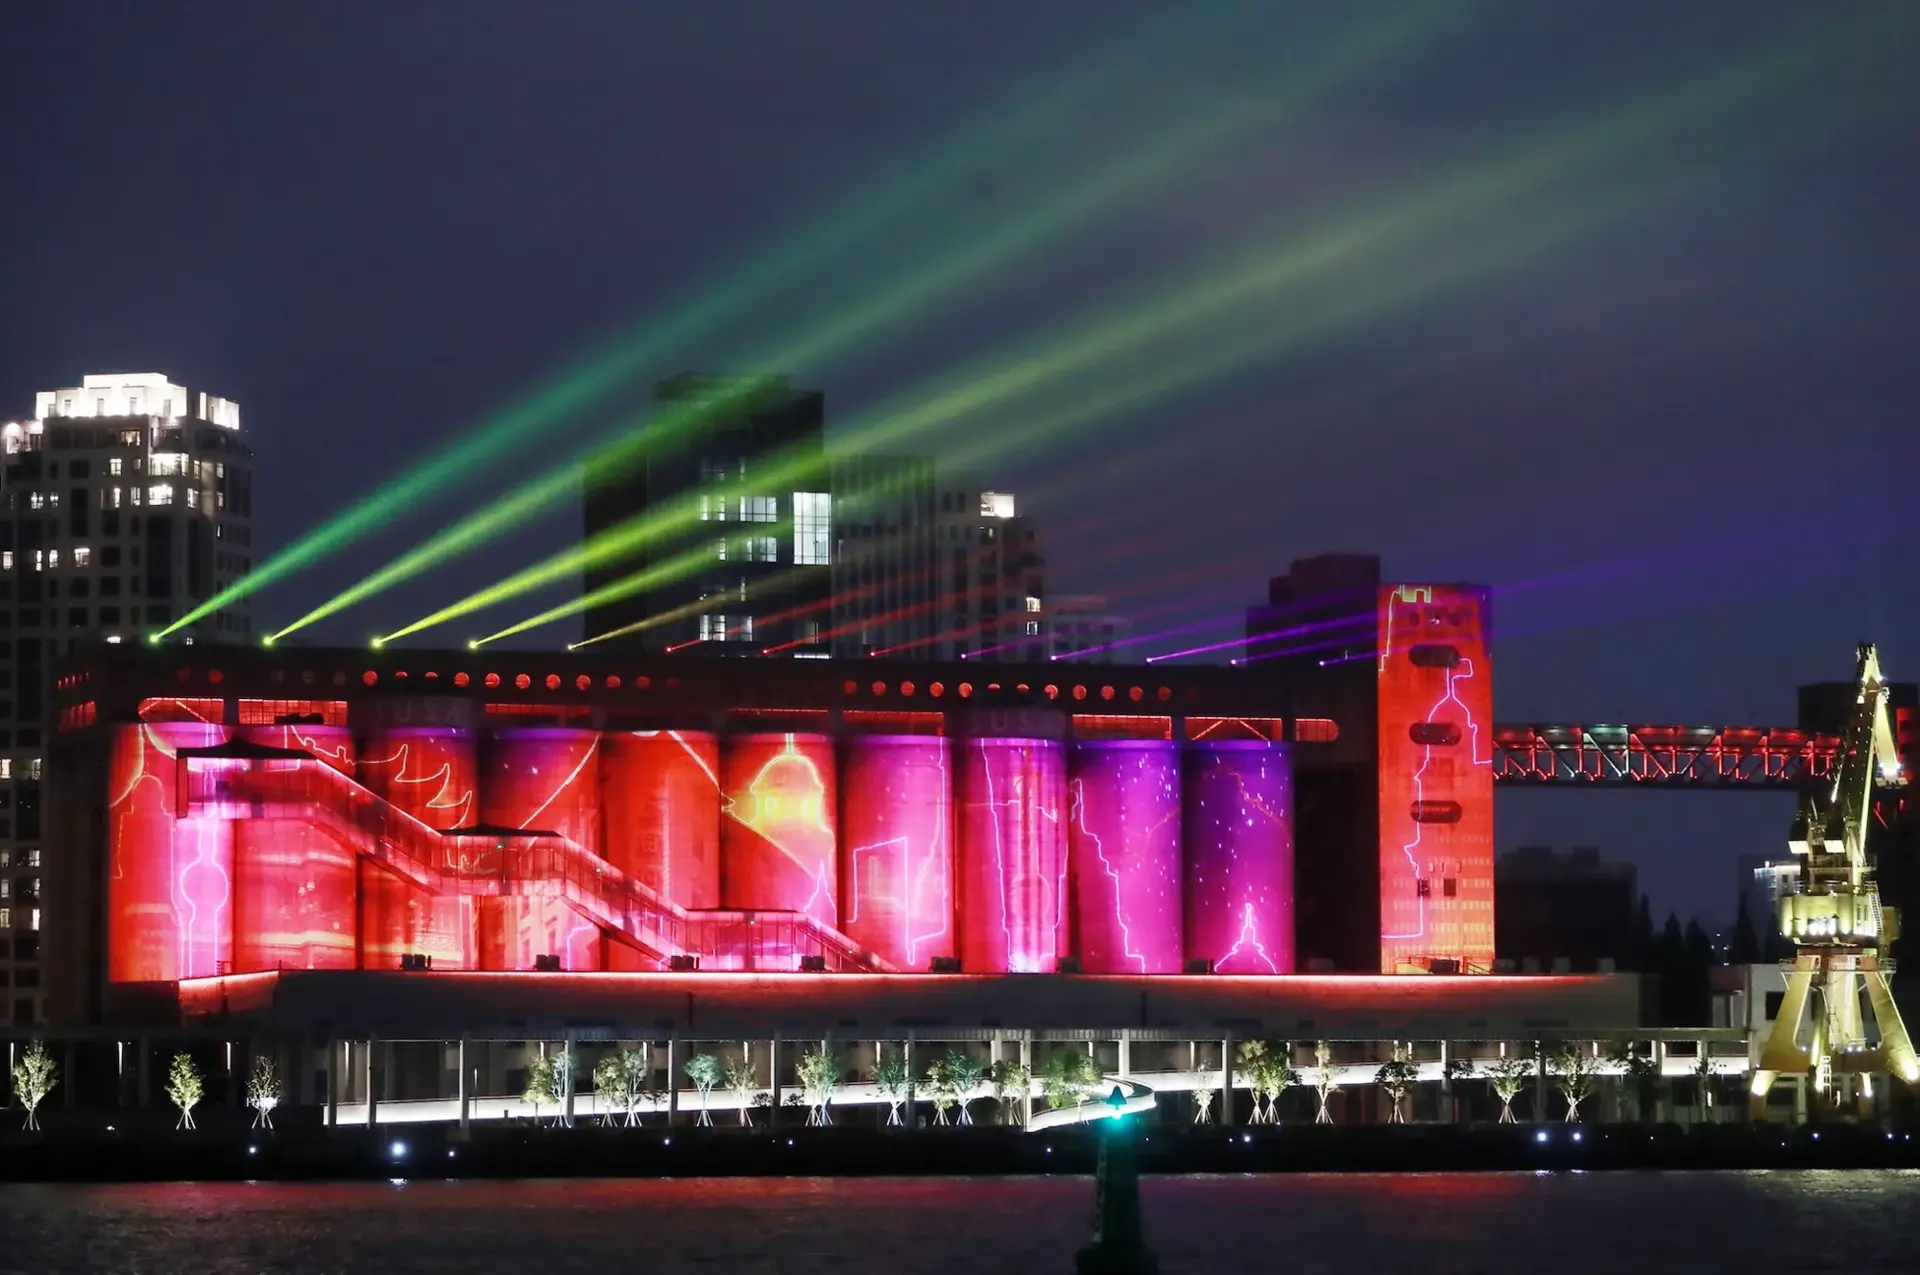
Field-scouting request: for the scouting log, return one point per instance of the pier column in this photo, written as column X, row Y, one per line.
column 70, row 1092
column 143, row 1084
column 1226, row 1081
column 1446, row 1086
column 333, row 1069
column 1126, row 1054
column 373, row 1096
column 1540, row 1084
column 567, row 1061
column 773, row 1082
column 1026, row 1098
column 673, row 1082
column 907, row 1056
column 464, row 1089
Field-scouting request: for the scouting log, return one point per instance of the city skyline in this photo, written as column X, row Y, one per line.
column 1653, row 443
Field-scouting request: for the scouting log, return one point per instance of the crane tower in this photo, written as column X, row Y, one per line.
column 1837, row 925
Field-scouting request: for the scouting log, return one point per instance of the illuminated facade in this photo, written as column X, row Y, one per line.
column 1436, row 779
column 128, row 502
column 431, row 809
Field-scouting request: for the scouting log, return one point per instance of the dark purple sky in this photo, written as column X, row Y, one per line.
column 1688, row 428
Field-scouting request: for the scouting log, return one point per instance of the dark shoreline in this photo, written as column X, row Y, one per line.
column 434, row 1151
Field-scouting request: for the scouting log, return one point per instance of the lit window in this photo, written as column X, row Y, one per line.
column 6, row 768
column 812, row 528
column 167, row 463
column 33, row 919
column 82, row 556
column 193, row 497
column 53, row 559
column 759, row 509
column 1033, row 604
column 713, row 509
column 33, row 772
column 113, row 466
column 6, row 918
column 720, row 549
column 160, row 494
column 36, row 500
column 1033, row 628
column 6, row 559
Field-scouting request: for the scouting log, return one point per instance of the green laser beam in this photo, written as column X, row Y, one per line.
column 1145, row 167
column 850, row 223
column 1475, row 191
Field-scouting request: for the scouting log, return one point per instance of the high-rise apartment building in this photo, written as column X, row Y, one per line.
column 128, row 500
column 966, row 567
column 1082, row 628
column 739, row 464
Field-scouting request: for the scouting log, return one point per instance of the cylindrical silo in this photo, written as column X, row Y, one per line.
column 169, row 880
column 660, row 805
column 430, row 773
column 540, row 779
column 1238, row 840
column 293, row 878
column 1124, row 846
column 896, row 847
column 1013, row 855
column 777, row 839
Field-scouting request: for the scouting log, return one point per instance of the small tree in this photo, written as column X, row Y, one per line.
column 741, row 1079
column 963, row 1075
column 621, row 1079
column 34, row 1076
column 819, row 1077
column 1070, row 1078
column 1395, row 1078
column 543, row 1084
column 1276, row 1076
column 1324, row 1082
column 1248, row 1066
column 1639, row 1075
column 263, row 1090
column 939, row 1081
column 890, row 1078
column 184, row 1088
column 705, row 1071
column 1508, row 1076
column 1006, row 1079
column 1203, row 1105
column 1574, row 1068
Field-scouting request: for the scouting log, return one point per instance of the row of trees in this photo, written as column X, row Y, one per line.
column 35, row 1075
column 1267, row 1071
column 623, row 1082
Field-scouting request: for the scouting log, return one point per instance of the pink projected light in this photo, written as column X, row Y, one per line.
column 1013, row 856
column 1124, row 848
column 896, row 825
column 1238, row 834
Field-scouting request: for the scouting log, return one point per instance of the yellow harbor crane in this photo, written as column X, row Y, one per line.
column 1836, row 923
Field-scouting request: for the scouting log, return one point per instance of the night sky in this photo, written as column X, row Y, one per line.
column 1651, row 377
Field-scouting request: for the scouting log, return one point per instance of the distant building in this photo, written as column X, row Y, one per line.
column 1082, row 628
column 129, row 502
column 760, row 541
column 1571, row 911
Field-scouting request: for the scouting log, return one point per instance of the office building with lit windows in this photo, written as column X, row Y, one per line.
column 752, row 571
column 128, row 501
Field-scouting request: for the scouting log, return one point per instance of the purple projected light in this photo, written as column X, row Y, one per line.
column 1337, row 624
column 1238, row 834
column 1013, row 861
column 896, row 839
column 1123, row 839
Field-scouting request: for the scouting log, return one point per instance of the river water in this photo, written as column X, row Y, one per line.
column 1435, row 1224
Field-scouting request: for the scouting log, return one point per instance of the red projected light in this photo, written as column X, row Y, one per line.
column 1436, row 779
column 662, row 812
